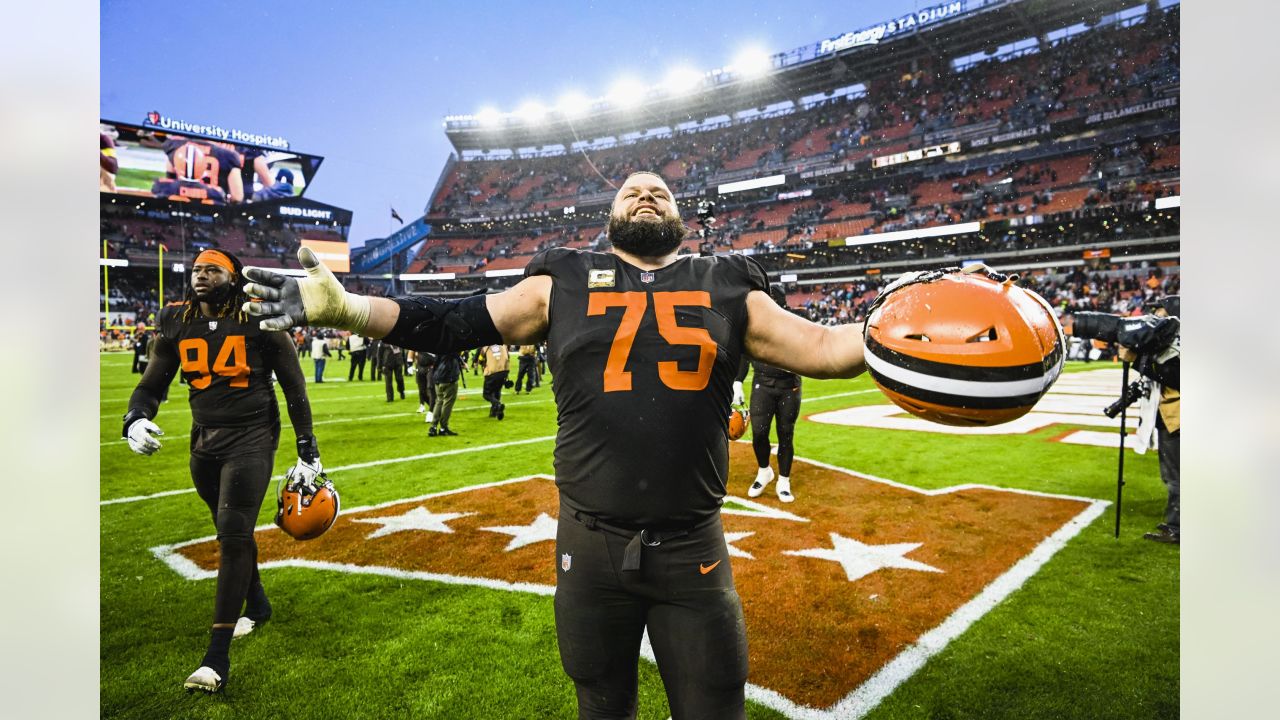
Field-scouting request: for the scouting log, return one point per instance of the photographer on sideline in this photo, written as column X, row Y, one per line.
column 1162, row 402
column 1152, row 344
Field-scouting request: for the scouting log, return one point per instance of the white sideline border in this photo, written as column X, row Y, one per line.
column 854, row 706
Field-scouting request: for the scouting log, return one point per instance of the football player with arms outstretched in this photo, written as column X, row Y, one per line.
column 227, row 361
column 643, row 348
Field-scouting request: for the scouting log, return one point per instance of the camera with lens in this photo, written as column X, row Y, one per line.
column 1145, row 335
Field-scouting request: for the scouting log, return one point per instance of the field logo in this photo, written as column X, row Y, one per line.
column 846, row 592
column 1075, row 399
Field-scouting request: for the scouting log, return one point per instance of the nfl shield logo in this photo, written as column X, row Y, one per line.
column 213, row 324
column 646, row 277
column 565, row 561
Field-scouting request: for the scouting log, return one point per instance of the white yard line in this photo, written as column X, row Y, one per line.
column 356, row 466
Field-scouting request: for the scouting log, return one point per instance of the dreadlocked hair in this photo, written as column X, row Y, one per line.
column 233, row 306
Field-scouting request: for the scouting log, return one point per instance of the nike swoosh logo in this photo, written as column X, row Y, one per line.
column 704, row 569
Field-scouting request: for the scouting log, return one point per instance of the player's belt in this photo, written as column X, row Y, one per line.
column 639, row 537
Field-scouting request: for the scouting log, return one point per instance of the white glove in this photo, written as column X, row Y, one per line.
column 304, row 473
column 738, row 397
column 142, row 436
column 317, row 299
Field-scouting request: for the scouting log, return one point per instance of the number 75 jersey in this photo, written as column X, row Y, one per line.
column 227, row 365
column 642, row 366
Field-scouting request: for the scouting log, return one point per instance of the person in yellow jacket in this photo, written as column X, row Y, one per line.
column 496, row 372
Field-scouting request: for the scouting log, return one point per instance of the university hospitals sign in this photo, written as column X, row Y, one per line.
column 164, row 122
column 876, row 33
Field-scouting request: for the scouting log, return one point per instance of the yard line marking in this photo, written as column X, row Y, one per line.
column 332, row 421
column 356, row 466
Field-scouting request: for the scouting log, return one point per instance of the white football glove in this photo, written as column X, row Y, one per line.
column 304, row 472
column 142, row 436
column 317, row 299
column 738, row 397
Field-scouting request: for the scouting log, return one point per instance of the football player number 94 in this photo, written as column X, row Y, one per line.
column 616, row 376
column 232, row 361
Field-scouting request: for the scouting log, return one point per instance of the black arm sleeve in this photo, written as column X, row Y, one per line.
column 145, row 400
column 442, row 326
column 282, row 358
column 744, row 364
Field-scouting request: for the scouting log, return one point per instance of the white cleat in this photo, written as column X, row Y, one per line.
column 430, row 417
column 783, row 489
column 244, row 626
column 204, row 679
column 422, row 407
column 763, row 478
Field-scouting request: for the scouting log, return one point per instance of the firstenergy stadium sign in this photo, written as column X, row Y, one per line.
column 876, row 33
column 164, row 122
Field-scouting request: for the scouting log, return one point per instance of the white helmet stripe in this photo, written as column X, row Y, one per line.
column 969, row 388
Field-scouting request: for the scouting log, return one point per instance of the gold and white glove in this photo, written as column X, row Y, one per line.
column 317, row 299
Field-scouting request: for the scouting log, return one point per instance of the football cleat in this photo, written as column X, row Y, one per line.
column 245, row 625
column 306, row 505
column 739, row 421
column 963, row 347
column 763, row 477
column 205, row 679
column 783, row 488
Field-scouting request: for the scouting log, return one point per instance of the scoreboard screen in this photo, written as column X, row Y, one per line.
column 150, row 162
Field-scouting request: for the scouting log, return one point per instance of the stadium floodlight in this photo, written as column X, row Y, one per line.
column 573, row 104
column 488, row 117
column 752, row 62
column 681, row 80
column 532, row 111
column 627, row 93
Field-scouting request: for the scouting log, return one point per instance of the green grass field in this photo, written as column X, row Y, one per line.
column 1094, row 634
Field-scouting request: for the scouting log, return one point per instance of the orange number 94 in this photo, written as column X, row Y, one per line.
column 232, row 361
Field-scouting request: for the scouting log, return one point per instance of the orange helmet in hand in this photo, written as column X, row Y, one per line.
column 306, row 507
column 963, row 347
column 739, row 421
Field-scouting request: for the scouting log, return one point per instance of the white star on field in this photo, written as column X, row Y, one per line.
column 859, row 559
column 418, row 518
column 541, row 529
column 732, row 537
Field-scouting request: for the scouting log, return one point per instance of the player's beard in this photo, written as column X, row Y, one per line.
column 647, row 239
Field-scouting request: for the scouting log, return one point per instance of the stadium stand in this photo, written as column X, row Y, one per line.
column 1051, row 134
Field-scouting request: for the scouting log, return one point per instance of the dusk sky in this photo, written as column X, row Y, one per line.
column 367, row 85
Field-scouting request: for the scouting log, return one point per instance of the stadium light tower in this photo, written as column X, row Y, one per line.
column 627, row 93
column 532, row 111
column 752, row 62
column 682, row 80
column 573, row 104
column 488, row 117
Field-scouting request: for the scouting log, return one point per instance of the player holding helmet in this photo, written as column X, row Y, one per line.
column 227, row 362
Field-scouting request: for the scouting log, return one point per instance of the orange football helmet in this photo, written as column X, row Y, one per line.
column 306, row 509
column 963, row 347
column 739, row 421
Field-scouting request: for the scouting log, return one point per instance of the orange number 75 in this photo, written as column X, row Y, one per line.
column 232, row 361
column 616, row 376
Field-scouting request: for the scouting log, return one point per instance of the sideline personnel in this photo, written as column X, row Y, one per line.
column 644, row 347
